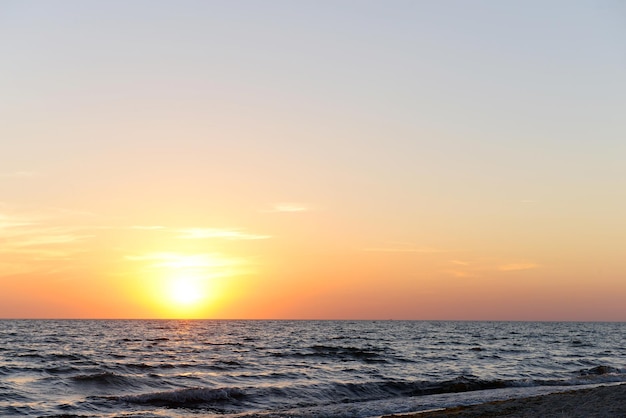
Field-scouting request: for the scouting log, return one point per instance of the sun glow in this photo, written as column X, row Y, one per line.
column 183, row 285
column 186, row 291
column 185, row 294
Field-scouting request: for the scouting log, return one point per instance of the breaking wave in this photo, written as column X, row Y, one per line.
column 186, row 397
column 104, row 379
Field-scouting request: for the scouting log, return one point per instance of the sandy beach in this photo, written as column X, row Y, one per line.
column 603, row 401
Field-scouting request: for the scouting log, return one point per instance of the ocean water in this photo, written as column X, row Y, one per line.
column 167, row 368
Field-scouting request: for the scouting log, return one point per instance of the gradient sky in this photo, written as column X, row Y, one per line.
column 313, row 159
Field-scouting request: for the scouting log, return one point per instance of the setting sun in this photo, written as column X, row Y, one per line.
column 184, row 294
column 184, row 285
column 186, row 291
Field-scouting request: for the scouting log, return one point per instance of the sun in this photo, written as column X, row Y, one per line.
column 178, row 285
column 185, row 291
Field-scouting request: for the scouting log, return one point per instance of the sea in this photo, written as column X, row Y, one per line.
column 227, row 368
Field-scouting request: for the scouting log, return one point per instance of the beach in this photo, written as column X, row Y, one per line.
column 602, row 401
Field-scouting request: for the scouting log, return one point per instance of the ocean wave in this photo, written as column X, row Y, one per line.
column 10, row 397
column 599, row 374
column 139, row 366
column 103, row 378
column 463, row 383
column 229, row 399
column 225, row 365
column 13, row 411
column 599, row 371
column 594, row 375
column 580, row 343
column 51, row 356
column 60, row 370
column 341, row 393
column 376, row 390
column 158, row 339
column 189, row 397
column 30, row 355
column 234, row 363
column 67, row 356
column 159, row 366
column 337, row 353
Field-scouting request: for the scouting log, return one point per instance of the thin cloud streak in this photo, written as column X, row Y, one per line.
column 486, row 267
column 423, row 250
column 7, row 222
column 209, row 264
column 32, row 244
column 19, row 174
column 28, row 239
column 460, row 273
column 518, row 267
column 288, row 208
column 175, row 260
column 197, row 233
column 32, row 241
column 208, row 233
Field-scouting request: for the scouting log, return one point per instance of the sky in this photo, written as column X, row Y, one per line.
column 313, row 159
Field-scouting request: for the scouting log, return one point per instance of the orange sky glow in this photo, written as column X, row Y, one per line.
column 401, row 160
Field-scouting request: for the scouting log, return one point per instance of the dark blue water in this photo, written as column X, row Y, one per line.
column 292, row 368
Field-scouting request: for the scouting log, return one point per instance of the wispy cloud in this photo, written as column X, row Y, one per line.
column 288, row 208
column 9, row 221
column 33, row 243
column 72, row 212
column 405, row 249
column 517, row 266
column 486, row 267
column 41, row 239
column 29, row 231
column 200, row 233
column 19, row 174
column 33, row 236
column 461, row 273
column 40, row 254
column 208, row 233
column 176, row 261
column 208, row 265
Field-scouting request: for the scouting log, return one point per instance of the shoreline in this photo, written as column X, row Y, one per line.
column 601, row 401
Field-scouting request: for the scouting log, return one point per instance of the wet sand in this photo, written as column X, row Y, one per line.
column 603, row 401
